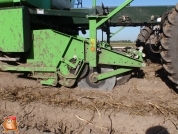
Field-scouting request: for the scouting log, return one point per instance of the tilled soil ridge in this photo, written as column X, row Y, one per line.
column 143, row 105
column 40, row 118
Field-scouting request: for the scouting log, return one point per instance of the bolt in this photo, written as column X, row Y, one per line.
column 136, row 57
column 75, row 56
column 140, row 49
column 94, row 79
column 123, row 18
column 152, row 18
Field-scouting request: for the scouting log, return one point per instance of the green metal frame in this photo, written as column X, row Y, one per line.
column 138, row 15
column 113, row 34
column 56, row 57
column 94, row 24
column 18, row 32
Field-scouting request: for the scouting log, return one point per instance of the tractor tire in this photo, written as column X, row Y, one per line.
column 169, row 43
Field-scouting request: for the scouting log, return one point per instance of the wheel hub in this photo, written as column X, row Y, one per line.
column 93, row 78
column 91, row 81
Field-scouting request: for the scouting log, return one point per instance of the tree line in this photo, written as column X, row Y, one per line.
column 122, row 41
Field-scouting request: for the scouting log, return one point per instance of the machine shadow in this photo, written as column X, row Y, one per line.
column 162, row 74
column 25, row 76
column 157, row 130
column 159, row 73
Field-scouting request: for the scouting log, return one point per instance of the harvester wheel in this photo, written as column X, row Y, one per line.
column 107, row 84
column 122, row 79
column 169, row 44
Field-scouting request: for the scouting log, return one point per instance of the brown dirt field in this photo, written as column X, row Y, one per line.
column 145, row 105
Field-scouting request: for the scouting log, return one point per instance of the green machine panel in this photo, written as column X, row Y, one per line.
column 6, row 2
column 15, row 33
column 46, row 4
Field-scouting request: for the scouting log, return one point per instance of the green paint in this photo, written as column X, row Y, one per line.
column 4, row 3
column 15, row 30
column 26, row 68
column 115, row 11
column 52, row 53
column 92, row 50
column 56, row 57
column 93, row 25
column 112, row 73
column 113, row 34
column 71, row 64
column 52, row 82
column 110, row 57
column 16, row 1
column 55, row 49
column 50, row 47
column 93, row 38
column 94, row 3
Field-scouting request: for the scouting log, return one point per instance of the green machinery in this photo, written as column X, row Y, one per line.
column 41, row 39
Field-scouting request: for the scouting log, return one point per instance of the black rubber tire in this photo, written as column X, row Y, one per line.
column 152, row 57
column 169, row 44
column 142, row 38
column 106, row 85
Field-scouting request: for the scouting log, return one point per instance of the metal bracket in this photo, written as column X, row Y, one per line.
column 9, row 59
column 98, row 77
column 79, row 3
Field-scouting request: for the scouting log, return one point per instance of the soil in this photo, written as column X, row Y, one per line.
column 146, row 104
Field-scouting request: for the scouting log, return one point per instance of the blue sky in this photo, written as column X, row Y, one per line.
column 131, row 32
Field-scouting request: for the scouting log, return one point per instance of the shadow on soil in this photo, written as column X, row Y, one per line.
column 162, row 74
column 157, row 130
column 25, row 76
column 159, row 73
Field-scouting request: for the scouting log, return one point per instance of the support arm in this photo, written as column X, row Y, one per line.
column 115, row 11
